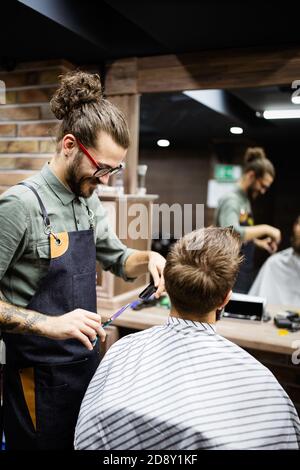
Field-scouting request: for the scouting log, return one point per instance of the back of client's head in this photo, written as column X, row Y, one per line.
column 201, row 269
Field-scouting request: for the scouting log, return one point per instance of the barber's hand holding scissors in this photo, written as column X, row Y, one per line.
column 78, row 324
column 156, row 266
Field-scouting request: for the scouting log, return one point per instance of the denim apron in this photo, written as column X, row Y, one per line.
column 45, row 380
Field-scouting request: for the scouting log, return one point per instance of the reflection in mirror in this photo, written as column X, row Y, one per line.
column 198, row 125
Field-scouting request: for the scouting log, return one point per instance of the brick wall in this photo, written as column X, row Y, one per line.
column 26, row 122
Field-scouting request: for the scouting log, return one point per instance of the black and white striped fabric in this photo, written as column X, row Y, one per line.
column 182, row 386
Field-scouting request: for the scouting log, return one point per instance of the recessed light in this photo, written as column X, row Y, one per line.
column 163, row 143
column 282, row 114
column 295, row 99
column 236, row 130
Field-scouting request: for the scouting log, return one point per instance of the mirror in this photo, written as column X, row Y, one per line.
column 197, row 125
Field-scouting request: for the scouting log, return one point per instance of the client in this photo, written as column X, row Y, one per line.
column 279, row 278
column 181, row 385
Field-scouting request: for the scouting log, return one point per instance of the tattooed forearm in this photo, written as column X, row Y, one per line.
column 31, row 322
column 19, row 320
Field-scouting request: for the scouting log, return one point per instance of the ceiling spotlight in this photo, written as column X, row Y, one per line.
column 236, row 130
column 296, row 99
column 163, row 143
column 282, row 114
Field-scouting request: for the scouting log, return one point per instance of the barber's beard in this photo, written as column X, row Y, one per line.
column 252, row 192
column 81, row 186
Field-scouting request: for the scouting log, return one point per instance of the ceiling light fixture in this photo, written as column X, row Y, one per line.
column 163, row 143
column 295, row 99
column 236, row 130
column 282, row 114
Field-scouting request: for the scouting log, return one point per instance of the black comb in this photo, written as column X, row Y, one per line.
column 146, row 293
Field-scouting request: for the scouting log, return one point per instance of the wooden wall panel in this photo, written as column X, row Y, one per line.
column 179, row 176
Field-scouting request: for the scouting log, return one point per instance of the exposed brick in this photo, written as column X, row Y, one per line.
column 7, row 114
column 46, row 112
column 35, row 95
column 44, row 64
column 7, row 130
column 33, row 77
column 50, row 76
column 14, row 79
column 23, row 163
column 47, row 146
column 10, row 97
column 19, row 146
column 6, row 163
column 8, row 178
column 31, row 163
column 39, row 130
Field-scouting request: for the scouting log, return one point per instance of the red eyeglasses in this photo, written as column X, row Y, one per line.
column 102, row 170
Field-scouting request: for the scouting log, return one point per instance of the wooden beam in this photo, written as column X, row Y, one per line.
column 121, row 89
column 121, row 77
column 130, row 105
column 234, row 68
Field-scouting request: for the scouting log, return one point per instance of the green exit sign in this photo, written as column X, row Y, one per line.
column 227, row 172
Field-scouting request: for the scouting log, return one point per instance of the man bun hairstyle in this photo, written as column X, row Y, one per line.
column 75, row 90
column 83, row 111
column 255, row 160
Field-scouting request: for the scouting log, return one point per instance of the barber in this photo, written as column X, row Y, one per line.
column 235, row 209
column 53, row 228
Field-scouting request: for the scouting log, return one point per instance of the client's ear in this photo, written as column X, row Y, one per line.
column 220, row 310
column 226, row 300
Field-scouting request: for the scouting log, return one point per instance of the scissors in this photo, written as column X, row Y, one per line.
column 144, row 295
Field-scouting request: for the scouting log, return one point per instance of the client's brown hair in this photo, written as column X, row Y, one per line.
column 201, row 268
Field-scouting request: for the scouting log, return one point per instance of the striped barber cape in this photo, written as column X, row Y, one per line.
column 182, row 386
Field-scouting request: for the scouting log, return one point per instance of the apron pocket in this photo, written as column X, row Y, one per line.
column 60, row 390
column 85, row 283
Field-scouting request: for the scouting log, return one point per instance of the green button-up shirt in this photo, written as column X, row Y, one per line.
column 24, row 245
column 230, row 208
